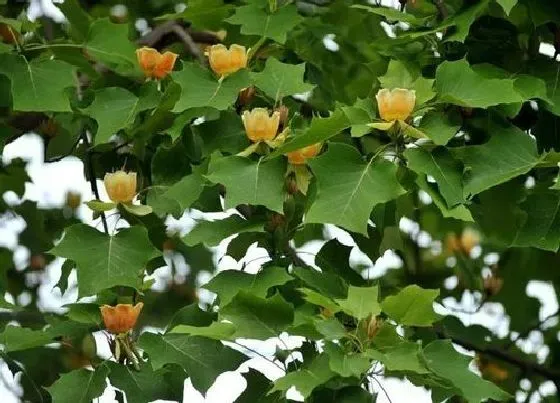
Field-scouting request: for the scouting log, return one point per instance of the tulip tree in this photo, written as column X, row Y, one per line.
column 427, row 129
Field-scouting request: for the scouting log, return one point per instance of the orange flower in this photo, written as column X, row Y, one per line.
column 121, row 318
column 493, row 285
column 259, row 125
column 154, row 64
column 300, row 156
column 396, row 104
column 465, row 243
column 120, row 186
column 224, row 61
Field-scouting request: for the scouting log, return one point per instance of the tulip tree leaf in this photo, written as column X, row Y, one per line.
column 178, row 197
column 258, row 318
column 459, row 84
column 15, row 338
column 346, row 364
column 442, row 359
column 104, row 261
column 228, row 283
column 80, row 386
column 441, row 165
column 255, row 20
column 141, row 386
column 308, row 378
column 201, row 88
column 361, row 302
column 39, row 84
column 349, row 187
column 250, row 182
column 517, row 155
column 108, row 43
column 412, row 306
column 542, row 226
column 203, row 359
column 320, row 130
column 279, row 80
column 115, row 108
column 440, row 127
column 211, row 233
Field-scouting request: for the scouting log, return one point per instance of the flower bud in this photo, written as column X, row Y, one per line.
column 493, row 285
column 469, row 239
column 225, row 61
column 121, row 318
column 300, row 156
column 373, row 327
column 259, row 125
column 73, row 200
column 284, row 111
column 246, row 96
column 154, row 64
column 120, row 186
column 395, row 104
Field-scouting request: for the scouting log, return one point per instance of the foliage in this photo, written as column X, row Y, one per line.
column 470, row 157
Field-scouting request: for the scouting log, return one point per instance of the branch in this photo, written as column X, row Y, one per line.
column 92, row 178
column 442, row 9
column 534, row 326
column 529, row 366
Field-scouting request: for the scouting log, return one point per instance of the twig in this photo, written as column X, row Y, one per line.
column 534, row 326
column 529, row 366
column 260, row 355
column 382, row 388
column 442, row 9
column 92, row 177
column 189, row 43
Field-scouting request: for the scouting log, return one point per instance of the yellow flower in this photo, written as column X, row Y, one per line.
column 300, row 156
column 120, row 186
column 121, row 318
column 155, row 64
column 224, row 61
column 395, row 104
column 469, row 239
column 259, row 125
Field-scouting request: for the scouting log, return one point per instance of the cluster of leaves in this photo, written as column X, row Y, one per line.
column 480, row 151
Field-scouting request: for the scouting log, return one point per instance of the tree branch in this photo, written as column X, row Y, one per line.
column 92, row 178
column 528, row 366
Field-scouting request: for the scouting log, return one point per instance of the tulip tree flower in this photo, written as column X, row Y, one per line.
column 297, row 165
column 260, row 125
column 299, row 157
column 224, row 61
column 121, row 318
column 395, row 107
column 120, row 186
column 155, row 64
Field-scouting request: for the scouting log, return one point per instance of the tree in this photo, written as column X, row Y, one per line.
column 431, row 131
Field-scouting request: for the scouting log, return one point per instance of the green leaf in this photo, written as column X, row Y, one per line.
column 328, row 284
column 459, row 212
column 412, row 306
column 254, row 20
column 361, row 302
column 319, row 299
column 348, row 188
column 405, row 356
column 178, row 197
column 440, row 164
column 331, row 328
column 137, row 209
column 228, row 283
column 38, row 85
column 509, row 153
column 80, row 386
column 84, row 313
column 108, row 43
column 15, row 338
column 335, row 258
column 457, row 83
column 225, row 134
column 447, row 363
column 346, row 364
column 79, row 20
column 203, row 359
column 141, row 386
column 105, row 261
column 216, row 331
column 320, row 130
column 211, row 233
column 98, row 205
column 250, row 182
column 463, row 20
column 257, row 387
column 279, row 80
column 306, row 379
column 507, row 5
column 542, row 226
column 115, row 108
column 258, row 318
column 203, row 14
column 200, row 88
column 392, row 14
column 440, row 127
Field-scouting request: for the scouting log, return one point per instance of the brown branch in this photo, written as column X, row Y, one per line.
column 442, row 9
column 189, row 43
column 529, row 366
column 92, row 178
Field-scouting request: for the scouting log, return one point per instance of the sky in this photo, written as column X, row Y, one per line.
column 52, row 181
